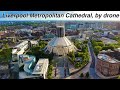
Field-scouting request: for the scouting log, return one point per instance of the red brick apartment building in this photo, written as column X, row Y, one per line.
column 107, row 65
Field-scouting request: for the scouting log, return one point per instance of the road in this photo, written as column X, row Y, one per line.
column 92, row 66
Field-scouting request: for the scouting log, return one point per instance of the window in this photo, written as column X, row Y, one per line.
column 41, row 75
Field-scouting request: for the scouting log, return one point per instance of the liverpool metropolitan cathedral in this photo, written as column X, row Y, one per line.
column 60, row 45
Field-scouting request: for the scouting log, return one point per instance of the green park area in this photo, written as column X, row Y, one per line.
column 82, row 54
column 2, row 28
column 50, row 69
column 98, row 45
column 38, row 51
column 5, row 54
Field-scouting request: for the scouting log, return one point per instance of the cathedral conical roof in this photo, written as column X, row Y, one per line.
column 60, row 45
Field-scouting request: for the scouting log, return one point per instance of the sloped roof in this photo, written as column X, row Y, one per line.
column 60, row 41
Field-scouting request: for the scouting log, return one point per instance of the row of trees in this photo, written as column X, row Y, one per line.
column 117, row 38
column 99, row 45
column 86, row 76
column 38, row 51
column 5, row 54
column 50, row 69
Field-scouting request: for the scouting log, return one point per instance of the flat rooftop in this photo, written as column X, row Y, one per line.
column 41, row 66
column 34, row 42
column 107, row 58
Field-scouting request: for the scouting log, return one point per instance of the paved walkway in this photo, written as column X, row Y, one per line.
column 59, row 73
column 59, row 63
column 71, row 69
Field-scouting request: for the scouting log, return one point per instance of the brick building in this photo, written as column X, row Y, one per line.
column 107, row 65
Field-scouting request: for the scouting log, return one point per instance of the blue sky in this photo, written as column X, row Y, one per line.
column 25, row 12
column 63, row 18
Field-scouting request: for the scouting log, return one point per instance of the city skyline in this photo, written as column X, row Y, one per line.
column 59, row 15
column 72, row 49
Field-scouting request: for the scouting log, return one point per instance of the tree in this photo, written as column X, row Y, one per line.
column 2, row 28
column 117, row 38
column 94, row 43
column 49, row 73
column 100, row 44
column 77, row 43
column 85, row 42
column 84, row 48
column 73, row 56
column 5, row 55
column 79, row 54
column 87, row 75
column 118, row 77
column 96, row 31
column 97, row 49
column 6, row 46
column 77, row 65
column 108, row 47
column 81, row 75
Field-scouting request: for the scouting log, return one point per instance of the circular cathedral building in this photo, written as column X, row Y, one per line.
column 60, row 45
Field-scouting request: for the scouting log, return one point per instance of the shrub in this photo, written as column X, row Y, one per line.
column 87, row 75
column 77, row 65
column 118, row 77
column 81, row 75
column 49, row 73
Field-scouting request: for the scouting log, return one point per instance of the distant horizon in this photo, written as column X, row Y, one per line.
column 86, row 16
